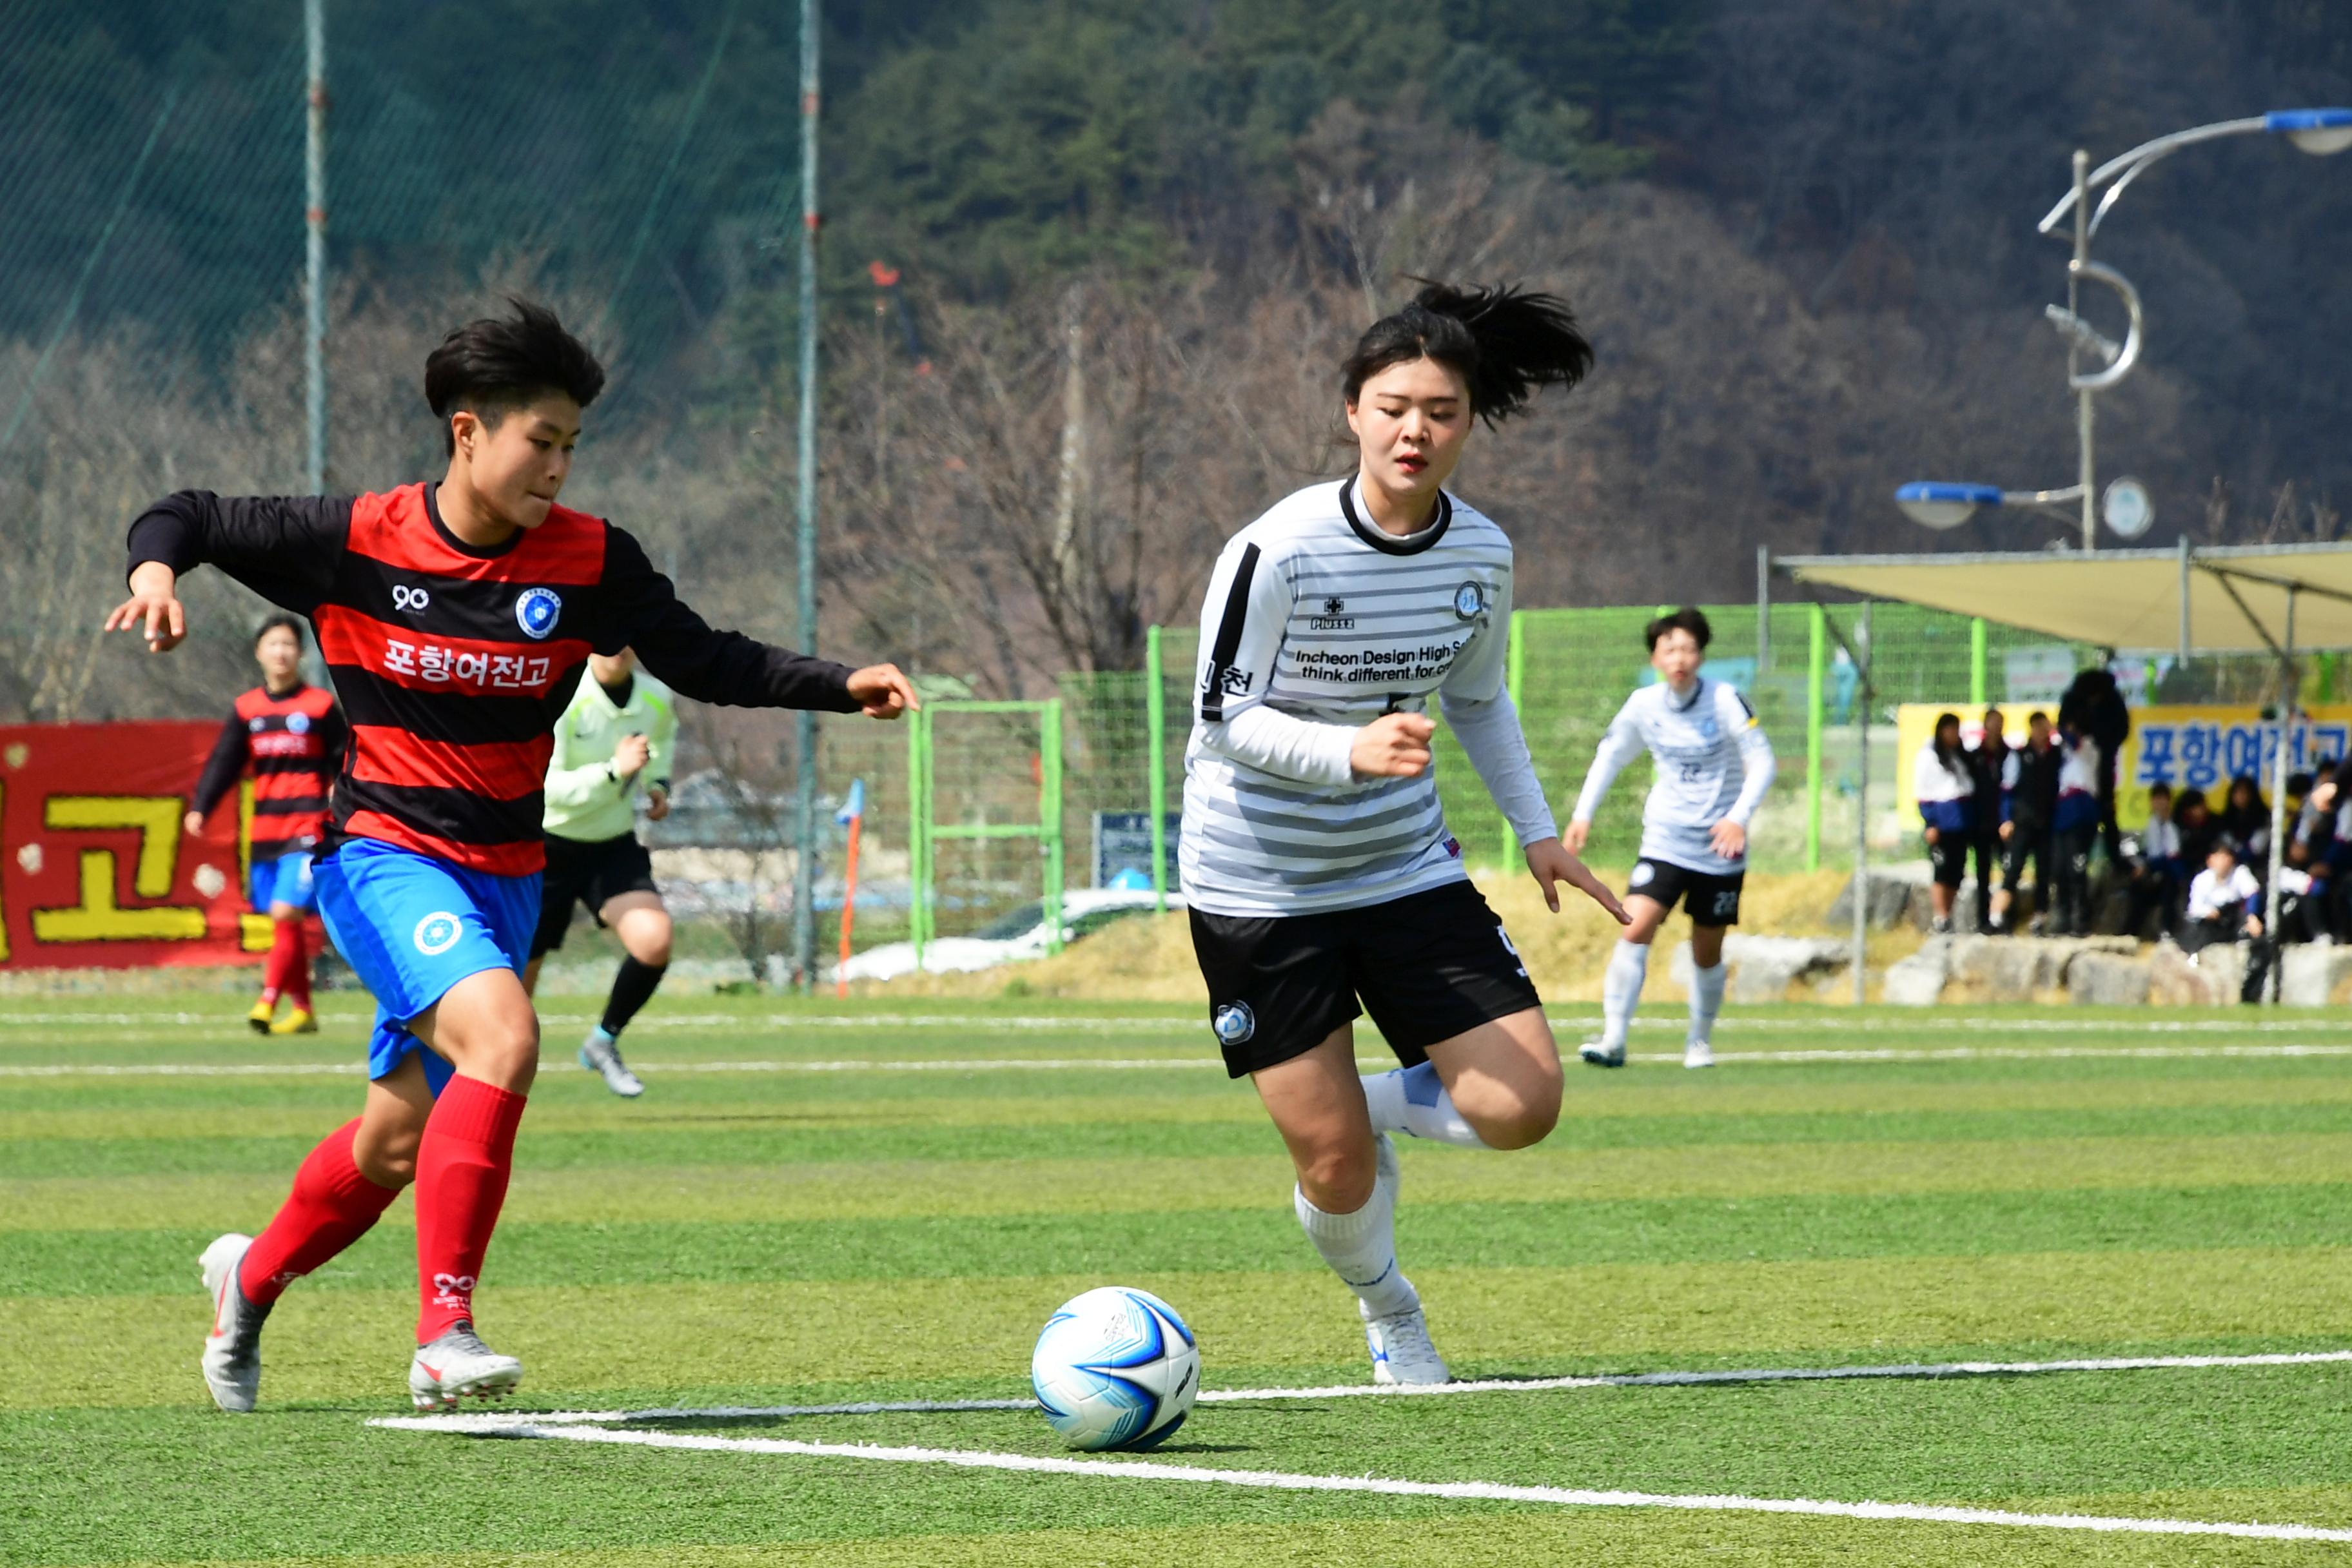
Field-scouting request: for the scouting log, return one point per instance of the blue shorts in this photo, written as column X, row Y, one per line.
column 281, row 880
column 412, row 926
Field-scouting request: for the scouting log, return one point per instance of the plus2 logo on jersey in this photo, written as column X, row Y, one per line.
column 536, row 610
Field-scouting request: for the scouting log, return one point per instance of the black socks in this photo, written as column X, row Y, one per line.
column 632, row 989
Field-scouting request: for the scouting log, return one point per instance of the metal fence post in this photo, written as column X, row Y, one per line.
column 314, row 222
column 1816, row 673
column 918, row 814
column 1977, row 662
column 1049, row 812
column 1515, row 668
column 1155, row 710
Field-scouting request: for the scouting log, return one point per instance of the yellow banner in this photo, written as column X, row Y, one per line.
column 2186, row 747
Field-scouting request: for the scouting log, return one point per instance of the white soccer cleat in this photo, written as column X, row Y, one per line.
column 1699, row 1054
column 1401, row 1353
column 600, row 1053
column 458, row 1365
column 1601, row 1053
column 232, row 1360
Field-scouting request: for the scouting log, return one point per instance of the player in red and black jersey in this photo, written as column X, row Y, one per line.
column 290, row 734
column 456, row 617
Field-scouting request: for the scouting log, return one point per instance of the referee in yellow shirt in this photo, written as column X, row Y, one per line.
column 618, row 735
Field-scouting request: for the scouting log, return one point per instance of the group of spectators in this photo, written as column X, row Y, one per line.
column 2197, row 870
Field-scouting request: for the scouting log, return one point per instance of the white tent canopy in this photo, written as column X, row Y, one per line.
column 2222, row 599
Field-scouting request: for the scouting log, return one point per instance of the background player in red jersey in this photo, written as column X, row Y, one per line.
column 291, row 736
column 455, row 619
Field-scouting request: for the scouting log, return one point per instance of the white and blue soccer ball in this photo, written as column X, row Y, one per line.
column 1116, row 1368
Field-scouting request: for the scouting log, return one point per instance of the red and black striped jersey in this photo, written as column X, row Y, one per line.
column 454, row 661
column 293, row 741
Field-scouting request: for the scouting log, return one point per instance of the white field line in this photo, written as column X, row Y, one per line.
column 1926, row 1371
column 1480, row 1491
column 1161, row 1064
column 1663, row 1019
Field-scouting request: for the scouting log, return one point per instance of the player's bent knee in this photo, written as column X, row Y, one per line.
column 1520, row 1118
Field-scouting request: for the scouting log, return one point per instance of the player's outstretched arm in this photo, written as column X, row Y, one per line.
column 1550, row 863
column 284, row 548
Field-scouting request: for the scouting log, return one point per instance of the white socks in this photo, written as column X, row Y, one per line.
column 1621, row 990
column 1706, row 1002
column 1361, row 1248
column 1414, row 1100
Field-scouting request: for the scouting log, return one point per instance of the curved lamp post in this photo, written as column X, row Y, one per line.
column 2125, row 505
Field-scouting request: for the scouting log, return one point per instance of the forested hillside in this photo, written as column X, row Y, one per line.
column 1089, row 265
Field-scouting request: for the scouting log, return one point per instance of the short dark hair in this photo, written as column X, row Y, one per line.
column 272, row 622
column 495, row 364
column 2160, row 788
column 1503, row 343
column 1689, row 618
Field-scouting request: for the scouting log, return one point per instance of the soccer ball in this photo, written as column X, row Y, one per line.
column 1116, row 1368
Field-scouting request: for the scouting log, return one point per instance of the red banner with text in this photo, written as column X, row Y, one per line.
column 96, row 867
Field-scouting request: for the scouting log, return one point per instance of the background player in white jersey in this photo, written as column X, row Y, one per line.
column 1315, row 859
column 1714, row 765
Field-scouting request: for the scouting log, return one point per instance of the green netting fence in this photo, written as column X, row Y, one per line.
column 1123, row 736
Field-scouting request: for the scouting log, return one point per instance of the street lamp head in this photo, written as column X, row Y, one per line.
column 2316, row 131
column 1939, row 505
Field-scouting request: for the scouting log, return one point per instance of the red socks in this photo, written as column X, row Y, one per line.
column 287, row 970
column 332, row 1207
column 461, row 1180
column 296, row 941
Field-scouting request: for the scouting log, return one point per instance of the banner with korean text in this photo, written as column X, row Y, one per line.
column 95, row 868
column 2187, row 747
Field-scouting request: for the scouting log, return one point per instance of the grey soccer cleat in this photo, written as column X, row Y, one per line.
column 232, row 1359
column 1401, row 1351
column 458, row 1365
column 1601, row 1054
column 600, row 1053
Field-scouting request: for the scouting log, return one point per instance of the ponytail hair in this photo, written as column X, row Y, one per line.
column 1502, row 341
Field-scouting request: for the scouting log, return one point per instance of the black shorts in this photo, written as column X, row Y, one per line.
column 1427, row 967
column 1710, row 898
column 591, row 874
column 1948, row 858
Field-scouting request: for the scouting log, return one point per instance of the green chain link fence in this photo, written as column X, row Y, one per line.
column 1124, row 733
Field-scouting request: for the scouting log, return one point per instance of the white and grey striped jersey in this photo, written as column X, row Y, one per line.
column 1714, row 765
column 1315, row 624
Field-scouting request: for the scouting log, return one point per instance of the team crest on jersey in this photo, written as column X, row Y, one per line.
column 1470, row 601
column 437, row 932
column 1234, row 1022
column 536, row 610
column 298, row 724
column 256, row 725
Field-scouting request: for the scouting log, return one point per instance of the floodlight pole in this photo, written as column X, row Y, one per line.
column 314, row 220
column 2085, row 414
column 805, row 768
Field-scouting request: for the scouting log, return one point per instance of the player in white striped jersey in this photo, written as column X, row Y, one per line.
column 1321, row 878
column 1714, row 765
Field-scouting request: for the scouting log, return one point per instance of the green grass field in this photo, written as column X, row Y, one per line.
column 778, row 1232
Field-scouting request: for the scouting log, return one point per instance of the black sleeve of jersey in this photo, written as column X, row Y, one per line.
column 223, row 767
column 334, row 736
column 284, row 548
column 640, row 609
